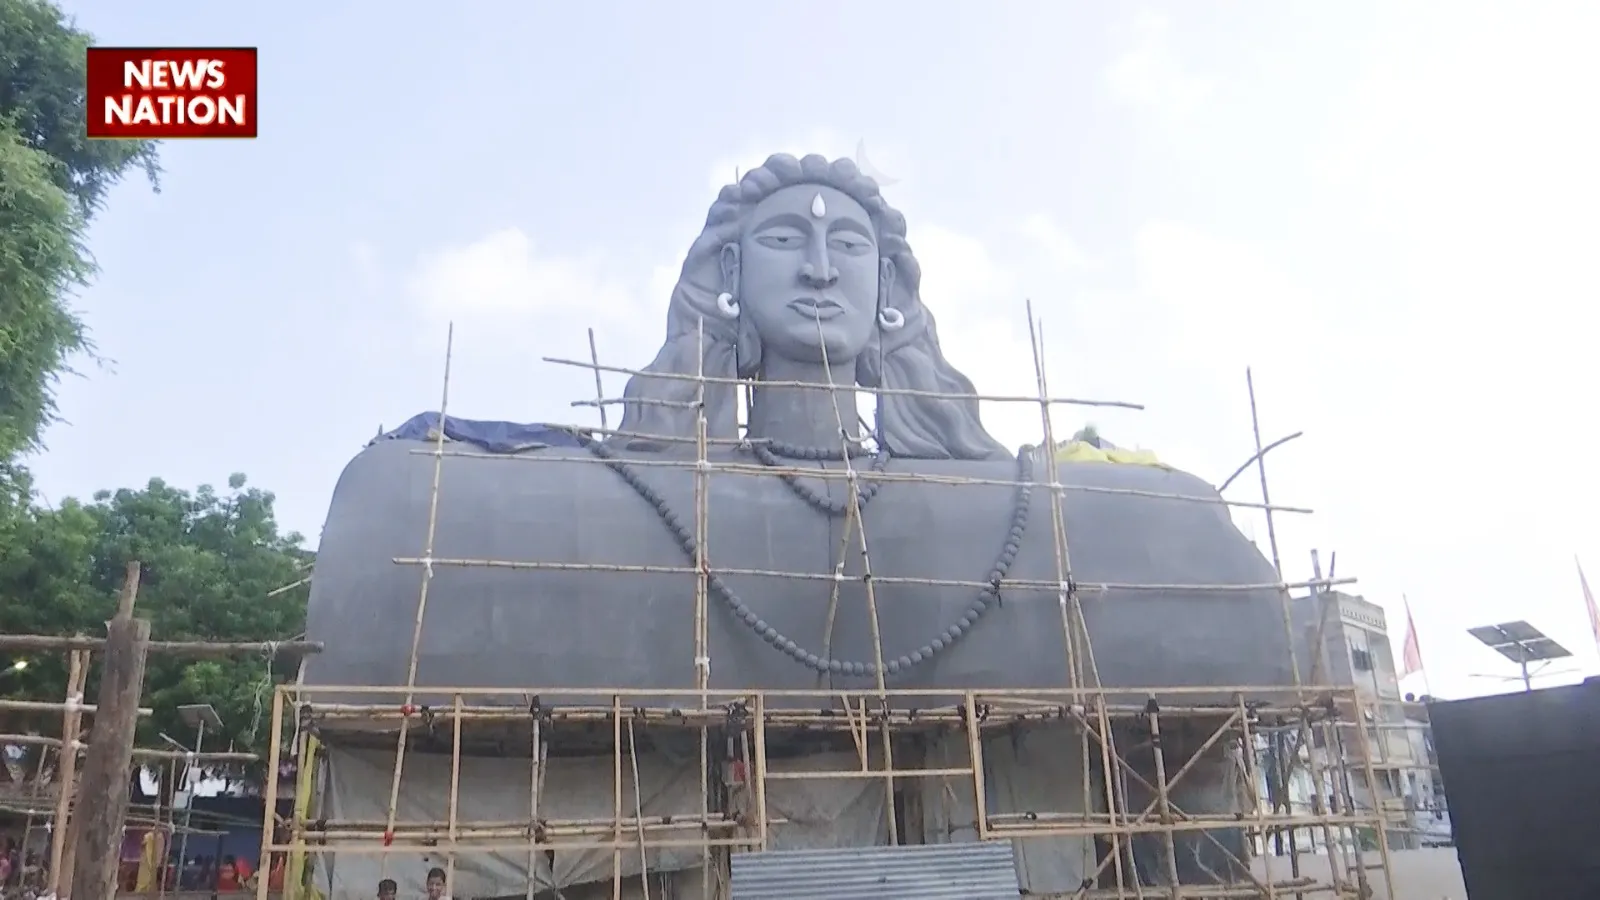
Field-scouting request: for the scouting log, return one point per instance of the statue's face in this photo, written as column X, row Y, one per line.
column 809, row 258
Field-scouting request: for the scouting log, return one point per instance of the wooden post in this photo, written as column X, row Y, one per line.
column 108, row 763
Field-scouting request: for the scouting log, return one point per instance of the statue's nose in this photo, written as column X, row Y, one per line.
column 824, row 276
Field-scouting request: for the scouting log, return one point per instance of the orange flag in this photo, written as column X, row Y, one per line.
column 1588, row 600
column 1411, row 655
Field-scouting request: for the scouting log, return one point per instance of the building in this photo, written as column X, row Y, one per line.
column 1356, row 651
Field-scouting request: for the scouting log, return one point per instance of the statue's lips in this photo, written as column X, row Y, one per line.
column 821, row 309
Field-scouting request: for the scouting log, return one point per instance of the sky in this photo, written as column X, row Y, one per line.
column 1386, row 210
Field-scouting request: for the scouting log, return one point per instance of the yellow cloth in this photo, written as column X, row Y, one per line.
column 1082, row 451
column 152, row 853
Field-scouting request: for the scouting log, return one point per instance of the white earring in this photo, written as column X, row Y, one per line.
column 727, row 305
column 891, row 319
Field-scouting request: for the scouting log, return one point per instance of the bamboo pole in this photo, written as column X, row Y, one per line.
column 761, row 470
column 616, row 798
column 811, row 386
column 853, row 491
column 422, row 593
column 455, row 794
column 150, row 753
column 535, row 785
column 638, row 812
column 12, row 643
column 269, row 816
column 702, row 587
column 71, row 725
column 7, row 705
column 1010, row 584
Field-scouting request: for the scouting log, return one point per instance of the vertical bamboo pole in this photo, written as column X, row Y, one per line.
column 980, row 791
column 1066, row 594
column 67, row 763
column 1247, row 739
column 1115, row 815
column 274, row 758
column 853, row 491
column 535, row 780
column 455, row 793
column 422, row 600
column 638, row 815
column 1153, row 715
column 760, row 773
column 1312, row 764
column 1372, row 788
column 702, row 582
column 616, row 797
column 38, row 788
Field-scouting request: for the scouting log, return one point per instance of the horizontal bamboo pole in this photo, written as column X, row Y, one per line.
column 1062, row 695
column 141, row 752
column 333, row 714
column 1297, row 887
column 1208, row 823
column 756, row 470
column 1010, row 584
column 192, row 649
column 544, row 833
column 54, row 706
column 843, row 774
column 378, row 826
column 861, row 389
column 499, row 846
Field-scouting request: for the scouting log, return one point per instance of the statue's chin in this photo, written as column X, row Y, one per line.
column 837, row 349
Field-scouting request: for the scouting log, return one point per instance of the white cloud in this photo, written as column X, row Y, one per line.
column 1463, row 152
column 1054, row 240
column 1149, row 74
column 501, row 276
column 887, row 156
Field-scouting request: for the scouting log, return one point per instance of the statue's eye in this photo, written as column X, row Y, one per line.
column 780, row 240
column 848, row 244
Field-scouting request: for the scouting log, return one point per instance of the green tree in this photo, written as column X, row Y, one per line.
column 211, row 562
column 52, row 181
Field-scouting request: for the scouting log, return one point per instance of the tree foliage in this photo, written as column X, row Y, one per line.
column 52, row 180
column 210, row 560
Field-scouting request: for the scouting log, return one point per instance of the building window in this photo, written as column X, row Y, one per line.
column 1361, row 660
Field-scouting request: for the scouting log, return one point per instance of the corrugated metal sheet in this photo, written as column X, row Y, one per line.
column 974, row 871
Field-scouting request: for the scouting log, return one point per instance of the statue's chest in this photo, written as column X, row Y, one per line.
column 945, row 529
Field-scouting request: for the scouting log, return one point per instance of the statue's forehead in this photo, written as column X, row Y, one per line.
column 800, row 199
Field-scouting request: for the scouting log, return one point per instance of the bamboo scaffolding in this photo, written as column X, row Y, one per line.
column 811, row 386
column 422, row 597
column 702, row 587
column 12, row 643
column 148, row 753
column 761, row 470
column 756, row 723
column 853, row 513
column 1033, row 584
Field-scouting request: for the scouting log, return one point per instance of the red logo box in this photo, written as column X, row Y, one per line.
column 172, row 92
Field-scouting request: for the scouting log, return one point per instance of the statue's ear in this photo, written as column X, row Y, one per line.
column 886, row 276
column 729, row 262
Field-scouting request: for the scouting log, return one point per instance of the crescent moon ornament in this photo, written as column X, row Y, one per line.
column 870, row 170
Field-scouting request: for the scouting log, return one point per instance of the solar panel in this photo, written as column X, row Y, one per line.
column 1519, row 642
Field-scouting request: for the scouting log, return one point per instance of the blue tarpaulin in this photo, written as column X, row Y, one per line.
column 494, row 437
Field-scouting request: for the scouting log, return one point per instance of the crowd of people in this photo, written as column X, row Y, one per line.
column 22, row 874
column 389, row 889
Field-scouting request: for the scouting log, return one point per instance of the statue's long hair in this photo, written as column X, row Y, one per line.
column 913, row 426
